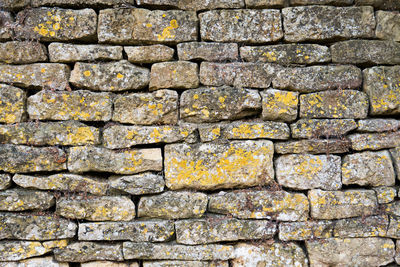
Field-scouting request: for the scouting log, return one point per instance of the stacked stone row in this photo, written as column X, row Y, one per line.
column 199, row 133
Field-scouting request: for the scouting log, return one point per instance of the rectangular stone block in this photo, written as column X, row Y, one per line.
column 21, row 200
column 19, row 250
column 387, row 25
column 279, row 105
column 256, row 130
column 377, row 125
column 37, row 261
column 392, row 208
column 16, row 52
column 208, row 51
column 385, row 194
column 89, row 251
column 178, row 263
column 5, row 31
column 374, row 141
column 371, row 226
column 12, row 105
column 264, row 3
column 395, row 153
column 195, row 5
column 138, row 184
column 176, row 74
column 81, row 3
column 149, row 53
column 393, row 228
column 313, row 146
column 316, row 128
column 322, row 2
column 305, row 230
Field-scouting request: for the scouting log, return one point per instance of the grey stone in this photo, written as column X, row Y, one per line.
column 21, row 199
column 208, row 51
column 195, row 5
column 371, row 226
column 175, row 74
column 316, row 128
column 279, row 105
column 138, row 184
column 12, row 106
column 22, row 52
column 313, row 146
column 5, row 181
column 374, row 141
column 378, row 125
column 19, row 250
column 149, row 54
column 89, row 251
column 385, row 194
column 305, row 230
column 256, row 130
column 387, row 25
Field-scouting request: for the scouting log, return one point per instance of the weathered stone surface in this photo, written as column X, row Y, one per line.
column 305, row 230
column 89, row 251
column 140, row 231
column 63, row 182
column 5, row 181
column 81, row 3
column 39, row 75
column 33, row 227
column 264, row 3
column 241, row 25
column 49, row 133
column 12, row 105
column 383, row 89
column 327, row 23
column 138, row 26
column 387, row 25
column 378, row 125
column 105, row 208
column 371, row 226
column 286, row 53
column 277, row 205
column 210, row 132
column 176, row 74
column 215, row 104
column 109, row 264
column 267, row 254
column 313, row 146
column 374, row 141
column 217, row 165
column 370, row 251
column 217, row 229
column 178, row 263
column 149, row 54
column 22, row 52
column 138, row 184
column 368, row 169
column 68, row 53
column 5, row 23
column 90, row 158
column 194, row 5
column 173, row 205
column 174, row 252
column 346, row 104
column 316, row 128
column 25, row 159
column 393, row 229
column 208, row 51
column 395, row 153
column 257, row 130
column 307, row 171
column 160, row 107
column 39, row 262
column 14, row 4
column 322, row 2
column 238, row 74
column 379, row 4
column 113, row 76
column 318, row 78
column 19, row 250
column 342, row 204
column 279, row 105
column 21, row 199
column 75, row 105
column 393, row 208
column 385, row 194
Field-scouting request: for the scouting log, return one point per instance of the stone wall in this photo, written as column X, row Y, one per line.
column 199, row 133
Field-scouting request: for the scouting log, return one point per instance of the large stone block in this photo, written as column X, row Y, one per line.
column 317, row 128
column 387, row 25
column 21, row 199
column 89, row 251
column 149, row 53
column 305, row 230
column 138, row 184
column 279, row 105
column 195, row 5
column 374, row 141
column 16, row 52
column 19, row 250
column 12, row 105
column 176, row 74
column 208, row 51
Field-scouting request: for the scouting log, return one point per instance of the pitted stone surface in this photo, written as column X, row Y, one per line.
column 178, row 75
column 208, row 51
column 68, row 53
column 374, row 141
column 387, row 25
column 313, row 146
column 12, row 105
column 149, row 54
column 21, row 199
column 5, row 181
column 89, row 251
column 22, row 52
column 195, row 5
column 19, row 250
column 279, row 105
column 317, row 128
column 138, row 184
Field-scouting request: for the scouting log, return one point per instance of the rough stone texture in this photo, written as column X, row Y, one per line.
column 194, row 5
column 6, row 20
column 392, row 208
column 178, row 263
column 173, row 205
column 81, row 3
column 177, row 75
column 75, row 105
column 12, row 105
column 208, row 51
column 371, row 226
column 90, row 158
column 307, row 171
column 149, row 54
column 89, row 251
column 264, row 3
column 279, row 105
column 21, row 199
column 138, row 184
column 5, row 181
column 313, row 146
column 277, row 205
column 395, row 153
column 68, row 53
column 47, row 261
column 160, row 107
column 327, row 23
column 138, row 26
column 346, row 104
column 393, row 229
column 19, row 250
column 316, row 128
column 206, row 104
column 305, row 230
column 217, row 165
column 322, row 2
column 109, row 264
column 374, row 141
column 22, row 52
column 387, row 25
column 14, row 4
column 378, row 125
column 342, row 204
column 379, row 4
column 256, row 130
column 385, row 194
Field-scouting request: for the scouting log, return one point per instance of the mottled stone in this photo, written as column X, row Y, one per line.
column 12, row 105
column 81, row 3
column 195, row 5
column 342, row 204
column 113, row 76
column 374, row 141
column 279, row 105
column 14, row 4
column 313, row 146
column 277, row 205
column 264, row 3
column 208, row 51
column 241, row 25
column 21, row 199
column 211, row 132
column 385, row 194
column 316, row 128
column 19, row 250
column 392, row 208
column 6, row 21
column 217, row 165
column 5, row 181
column 371, row 226
column 138, row 184
column 387, row 25
column 346, row 104
column 307, row 171
column 256, row 130
column 22, row 52
column 89, row 251
column 305, row 230
column 90, row 158
column 159, row 107
column 378, row 125
column 175, row 74
column 109, row 264
column 322, row 2
column 149, row 54
column 139, row 26
column 173, row 205
column 179, row 263
column 39, row 262
column 395, row 153
column 69, row 53
column 379, row 4
column 393, row 229
column 327, row 23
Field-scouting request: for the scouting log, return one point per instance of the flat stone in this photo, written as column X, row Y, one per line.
column 264, row 3
column 374, row 141
column 327, row 23
column 313, row 146
column 379, row 4
column 21, row 199
column 371, row 226
column 178, row 263
column 217, row 165
column 378, row 125
column 318, row 78
column 370, row 251
column 393, row 229
column 149, row 54
column 90, row 158
column 65, row 133
column 12, row 106
column 392, row 208
column 81, row 3
column 346, row 104
column 206, row 104
column 395, row 153
column 113, row 76
column 241, row 25
column 109, row 264
column 307, row 171
column 39, row 262
column 217, row 229
column 19, row 250
column 195, row 5
column 89, row 251
column 69, row 53
column 14, row 4
column 387, row 25
column 52, row 76
column 138, row 184
column 140, row 231
column 316, row 128
column 94, row 208
column 385, row 194
column 382, row 87
column 322, row 2
column 23, row 159
column 22, row 52
column 173, row 205
column 286, row 53
column 5, row 181
column 289, row 231
column 159, row 107
column 140, row 26
column 256, row 130
column 279, row 105
column 70, row 105
column 176, row 74
column 208, row 51
column 276, row 205
column 6, row 21
column 342, row 204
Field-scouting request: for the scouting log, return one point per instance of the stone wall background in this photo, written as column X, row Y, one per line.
column 199, row 133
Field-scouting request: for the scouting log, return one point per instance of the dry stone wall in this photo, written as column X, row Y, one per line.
column 199, row 133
